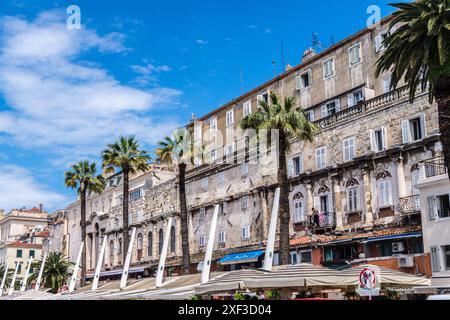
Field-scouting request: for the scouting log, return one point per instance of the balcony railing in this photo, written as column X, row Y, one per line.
column 323, row 220
column 409, row 205
column 435, row 167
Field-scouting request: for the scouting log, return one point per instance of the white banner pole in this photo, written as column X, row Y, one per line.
column 73, row 280
column 270, row 246
column 210, row 246
column 27, row 273
column 99, row 264
column 162, row 259
column 4, row 279
column 41, row 272
column 126, row 267
column 13, row 281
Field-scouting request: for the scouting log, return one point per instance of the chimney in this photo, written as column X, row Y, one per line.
column 308, row 54
column 41, row 207
column 288, row 67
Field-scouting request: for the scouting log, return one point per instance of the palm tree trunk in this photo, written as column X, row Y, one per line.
column 83, row 237
column 283, row 212
column 443, row 102
column 126, row 194
column 184, row 218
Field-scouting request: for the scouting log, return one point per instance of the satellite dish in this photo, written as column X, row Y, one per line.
column 200, row 267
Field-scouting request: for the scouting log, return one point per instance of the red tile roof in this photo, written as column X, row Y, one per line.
column 42, row 234
column 19, row 244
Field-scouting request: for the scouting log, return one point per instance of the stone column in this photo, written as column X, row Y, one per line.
column 88, row 247
column 265, row 214
column 191, row 231
column 401, row 178
column 338, row 205
column 367, row 200
column 309, row 197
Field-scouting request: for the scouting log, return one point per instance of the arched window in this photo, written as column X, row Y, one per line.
column 111, row 253
column 299, row 208
column 150, row 244
column 172, row 239
column 139, row 246
column 161, row 240
column 384, row 184
column 353, row 196
column 119, row 252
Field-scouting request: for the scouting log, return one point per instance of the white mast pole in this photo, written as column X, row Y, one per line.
column 162, row 258
column 99, row 264
column 270, row 246
column 4, row 279
column 13, row 281
column 210, row 246
column 41, row 272
column 73, row 280
column 126, row 267
column 27, row 273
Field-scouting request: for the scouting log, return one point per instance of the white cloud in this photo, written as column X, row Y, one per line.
column 18, row 188
column 201, row 42
column 59, row 103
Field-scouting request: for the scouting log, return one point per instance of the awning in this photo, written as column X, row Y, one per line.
column 394, row 236
column 243, row 257
column 115, row 272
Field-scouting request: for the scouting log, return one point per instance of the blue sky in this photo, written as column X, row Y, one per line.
column 135, row 67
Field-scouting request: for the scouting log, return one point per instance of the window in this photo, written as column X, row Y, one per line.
column 446, row 257
column 379, row 40
column 413, row 129
column 244, row 202
column 262, row 98
column 221, row 177
column 201, row 241
column 328, row 68
column 439, row 207
column 202, row 215
column 222, row 236
column 330, row 108
column 386, row 84
column 299, row 211
column 321, row 158
column 134, row 195
column 303, row 81
column 435, row 261
column 298, row 165
column 213, row 155
column 310, row 115
column 229, row 149
column 212, row 126
column 355, row 55
column 353, row 200
column 161, row 240
column 172, row 240
column 349, row 149
column 385, row 193
column 19, row 253
column 31, row 254
column 150, row 244
column 305, row 256
column 140, row 243
column 19, row 269
column 354, row 98
column 230, row 118
column 205, row 183
column 294, row 258
column 244, row 169
column 198, row 133
column 378, row 139
column 246, row 233
column 247, row 108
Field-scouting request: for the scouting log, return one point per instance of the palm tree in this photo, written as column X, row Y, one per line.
column 9, row 275
column 291, row 123
column 178, row 150
column 127, row 156
column 83, row 177
column 419, row 52
column 56, row 271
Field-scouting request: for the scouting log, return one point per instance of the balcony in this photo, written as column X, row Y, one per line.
column 409, row 205
column 325, row 220
column 434, row 167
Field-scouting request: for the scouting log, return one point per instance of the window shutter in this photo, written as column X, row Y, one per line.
column 423, row 125
column 290, row 168
column 259, row 98
column 406, row 133
column 317, row 203
column 300, row 159
column 351, row 100
column 435, row 261
column 298, row 82
column 323, row 111
column 338, row 105
column 378, row 42
column 373, row 145
column 431, row 208
column 384, row 137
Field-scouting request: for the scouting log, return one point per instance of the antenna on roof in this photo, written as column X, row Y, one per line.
column 316, row 44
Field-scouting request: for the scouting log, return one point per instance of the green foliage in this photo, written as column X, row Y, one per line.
column 9, row 275
column 125, row 154
column 419, row 50
column 239, row 296
column 57, row 271
column 196, row 297
column 273, row 295
column 83, row 177
column 178, row 148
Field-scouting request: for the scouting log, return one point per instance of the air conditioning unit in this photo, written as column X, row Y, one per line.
column 405, row 261
column 398, row 247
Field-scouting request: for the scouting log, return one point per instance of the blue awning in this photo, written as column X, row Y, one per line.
column 395, row 236
column 242, row 257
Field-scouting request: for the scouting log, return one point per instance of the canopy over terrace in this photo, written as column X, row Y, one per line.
column 302, row 276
